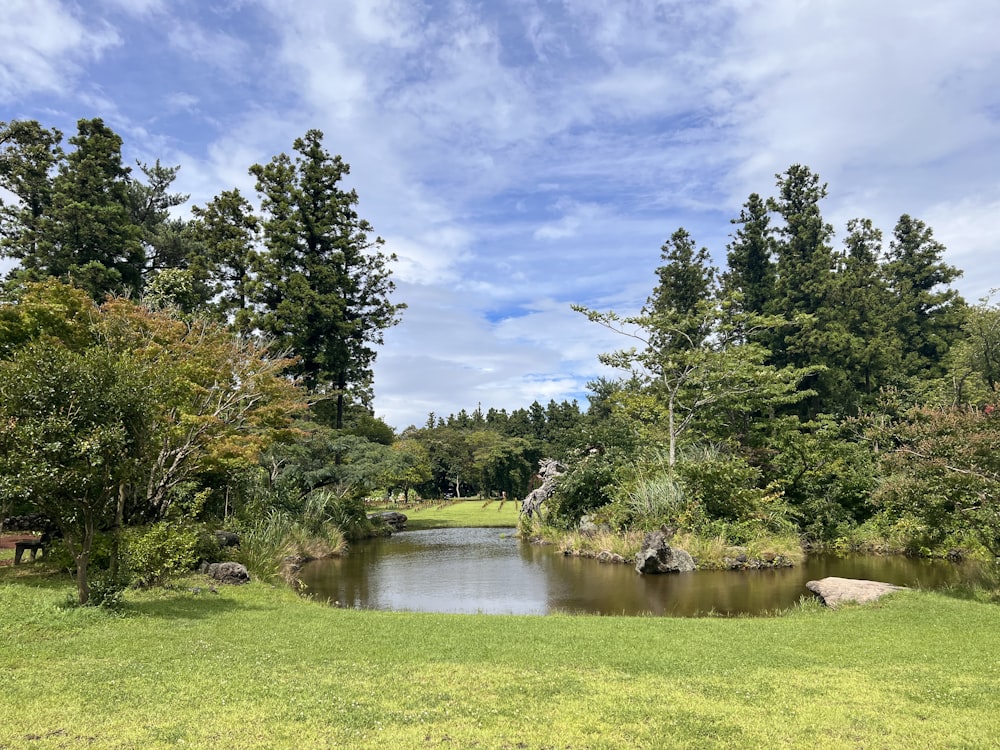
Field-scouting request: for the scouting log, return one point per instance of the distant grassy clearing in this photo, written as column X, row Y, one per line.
column 461, row 513
column 259, row 667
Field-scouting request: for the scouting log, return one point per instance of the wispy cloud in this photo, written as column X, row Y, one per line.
column 43, row 46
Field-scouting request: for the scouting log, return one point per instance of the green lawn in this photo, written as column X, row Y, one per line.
column 461, row 513
column 256, row 666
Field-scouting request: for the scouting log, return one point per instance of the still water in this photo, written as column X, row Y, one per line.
column 493, row 572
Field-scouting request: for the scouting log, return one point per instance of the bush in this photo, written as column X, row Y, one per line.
column 583, row 488
column 153, row 554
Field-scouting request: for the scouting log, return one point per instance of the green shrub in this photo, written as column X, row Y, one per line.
column 583, row 488
column 155, row 553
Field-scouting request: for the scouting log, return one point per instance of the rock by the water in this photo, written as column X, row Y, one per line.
column 607, row 556
column 657, row 556
column 393, row 518
column 835, row 591
column 590, row 527
column 227, row 538
column 227, row 572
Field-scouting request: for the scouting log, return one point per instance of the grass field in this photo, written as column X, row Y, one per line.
column 259, row 667
column 488, row 513
column 255, row 666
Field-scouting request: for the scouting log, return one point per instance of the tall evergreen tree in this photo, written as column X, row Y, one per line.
column 804, row 255
column 324, row 283
column 29, row 154
column 861, row 296
column 228, row 231
column 803, row 287
column 749, row 258
column 927, row 311
column 87, row 233
column 686, row 285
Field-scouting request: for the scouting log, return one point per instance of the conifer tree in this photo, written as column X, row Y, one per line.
column 324, row 283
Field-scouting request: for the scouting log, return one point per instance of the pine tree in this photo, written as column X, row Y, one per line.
column 927, row 312
column 324, row 283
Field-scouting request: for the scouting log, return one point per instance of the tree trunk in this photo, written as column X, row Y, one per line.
column 116, row 540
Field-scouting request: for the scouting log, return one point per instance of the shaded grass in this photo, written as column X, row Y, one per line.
column 462, row 513
column 256, row 666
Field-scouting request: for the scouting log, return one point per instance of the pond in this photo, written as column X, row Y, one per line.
column 493, row 572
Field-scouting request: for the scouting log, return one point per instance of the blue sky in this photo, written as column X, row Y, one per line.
column 522, row 155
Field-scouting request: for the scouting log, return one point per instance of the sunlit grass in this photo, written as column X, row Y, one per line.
column 476, row 512
column 256, row 666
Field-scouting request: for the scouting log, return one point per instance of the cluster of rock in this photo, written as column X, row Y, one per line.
column 233, row 573
column 742, row 561
column 604, row 556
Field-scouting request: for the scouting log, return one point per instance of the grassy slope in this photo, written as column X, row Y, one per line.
column 258, row 667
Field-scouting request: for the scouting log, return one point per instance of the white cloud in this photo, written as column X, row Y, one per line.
column 43, row 44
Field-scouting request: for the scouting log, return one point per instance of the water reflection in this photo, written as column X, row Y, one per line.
column 491, row 571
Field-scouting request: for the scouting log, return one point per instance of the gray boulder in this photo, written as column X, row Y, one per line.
column 835, row 591
column 227, row 572
column 395, row 519
column 590, row 527
column 657, row 556
column 227, row 538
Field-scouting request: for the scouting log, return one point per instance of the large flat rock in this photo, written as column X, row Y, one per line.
column 836, row 591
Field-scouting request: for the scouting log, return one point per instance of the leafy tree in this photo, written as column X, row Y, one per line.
column 324, row 285
column 73, row 434
column 411, row 467
column 695, row 357
column 108, row 413
column 943, row 471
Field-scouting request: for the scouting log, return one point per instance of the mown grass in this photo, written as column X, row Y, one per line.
column 461, row 513
column 256, row 666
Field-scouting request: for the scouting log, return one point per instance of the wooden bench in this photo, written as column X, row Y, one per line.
column 33, row 545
